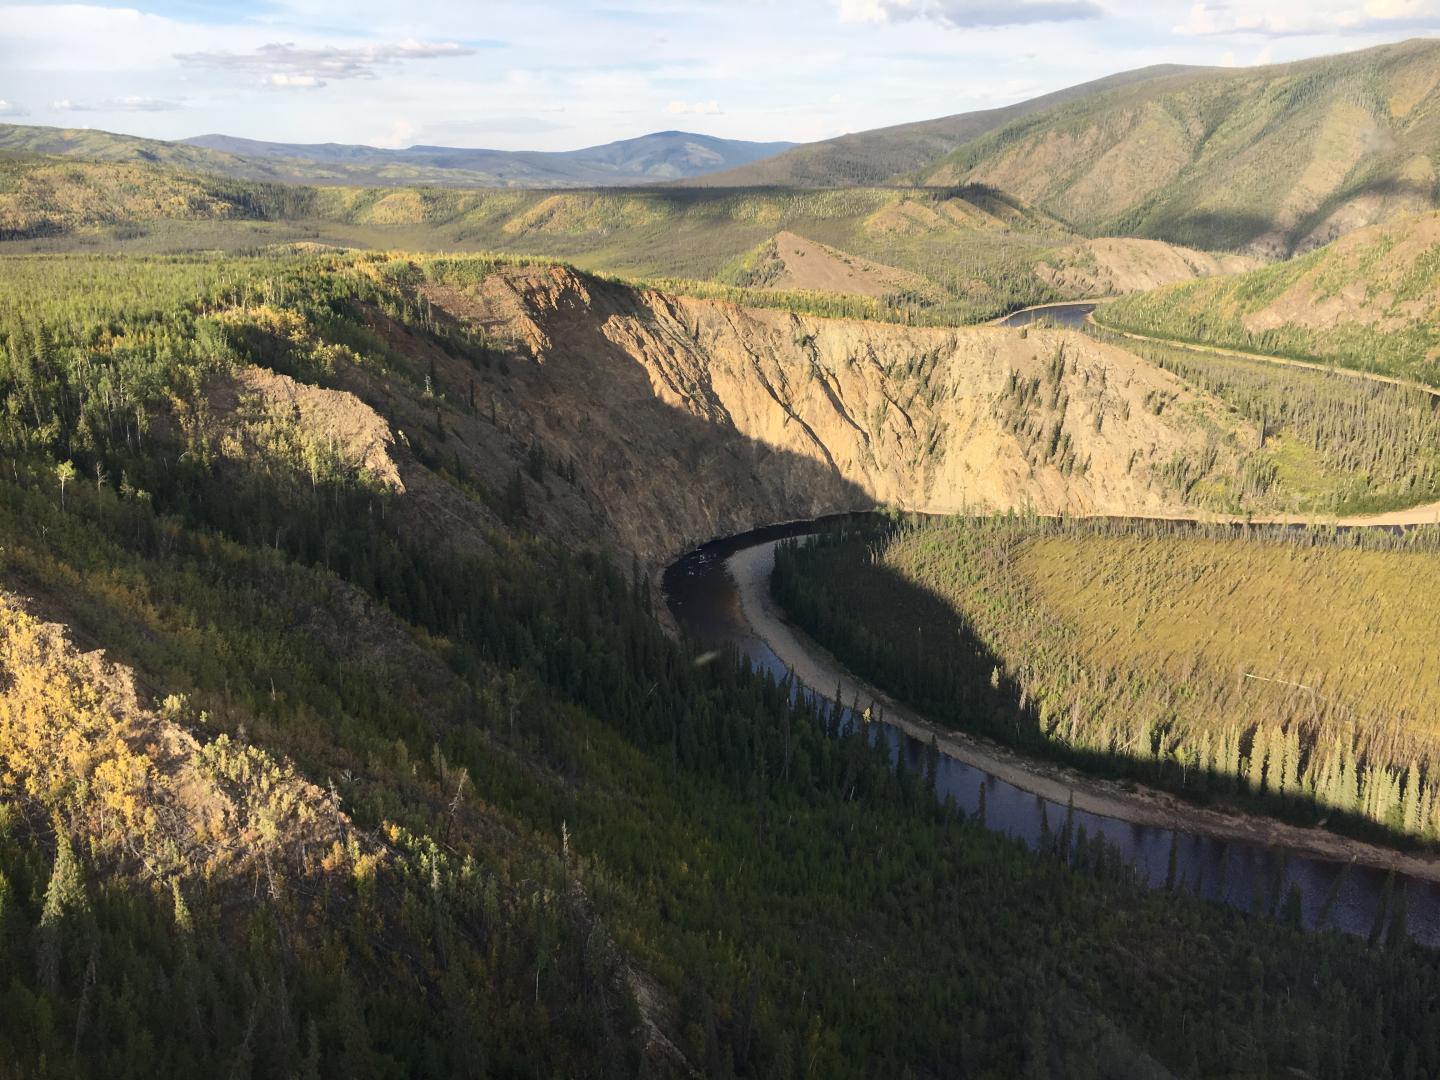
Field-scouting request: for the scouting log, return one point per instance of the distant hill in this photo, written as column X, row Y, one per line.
column 1370, row 300
column 662, row 156
column 1273, row 159
column 958, row 255
column 880, row 155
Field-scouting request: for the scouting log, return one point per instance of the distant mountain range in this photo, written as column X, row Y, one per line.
column 662, row 156
column 1268, row 160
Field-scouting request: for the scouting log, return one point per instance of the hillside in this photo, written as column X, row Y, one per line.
column 387, row 769
column 881, row 155
column 1271, row 159
column 1370, row 300
column 661, row 156
column 938, row 257
column 1272, row 667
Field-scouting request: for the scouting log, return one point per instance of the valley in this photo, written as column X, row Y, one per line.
column 948, row 599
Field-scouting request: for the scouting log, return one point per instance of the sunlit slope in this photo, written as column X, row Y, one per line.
column 1370, row 300
column 1287, row 668
column 1269, row 159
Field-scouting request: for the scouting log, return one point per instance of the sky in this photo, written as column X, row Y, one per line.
column 560, row 74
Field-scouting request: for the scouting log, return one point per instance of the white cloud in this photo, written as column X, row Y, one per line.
column 129, row 103
column 694, row 108
column 284, row 80
column 1293, row 19
column 285, row 64
column 969, row 14
column 9, row 108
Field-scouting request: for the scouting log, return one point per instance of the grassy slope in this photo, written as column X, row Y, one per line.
column 1268, row 158
column 1221, row 664
column 551, row 796
column 1370, row 300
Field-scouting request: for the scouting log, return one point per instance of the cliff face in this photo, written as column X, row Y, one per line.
column 688, row 419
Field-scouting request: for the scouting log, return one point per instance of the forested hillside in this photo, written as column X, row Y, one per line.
column 939, row 257
column 1277, row 668
column 1272, row 159
column 1370, row 301
column 386, row 770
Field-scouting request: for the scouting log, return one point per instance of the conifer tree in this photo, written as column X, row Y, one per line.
column 64, row 901
column 1259, row 745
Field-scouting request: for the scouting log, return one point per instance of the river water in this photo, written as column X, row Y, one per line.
column 704, row 601
column 1072, row 315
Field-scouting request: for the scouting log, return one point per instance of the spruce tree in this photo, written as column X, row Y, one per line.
column 64, row 901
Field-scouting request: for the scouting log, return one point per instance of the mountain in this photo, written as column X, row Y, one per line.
column 1273, row 159
column 665, row 155
column 882, row 154
column 1370, row 300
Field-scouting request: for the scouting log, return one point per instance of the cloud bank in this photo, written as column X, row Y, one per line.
column 288, row 65
column 969, row 14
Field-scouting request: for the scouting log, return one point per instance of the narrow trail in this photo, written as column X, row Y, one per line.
column 1282, row 361
column 819, row 671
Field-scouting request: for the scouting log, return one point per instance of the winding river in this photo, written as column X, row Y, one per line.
column 714, row 591
column 719, row 595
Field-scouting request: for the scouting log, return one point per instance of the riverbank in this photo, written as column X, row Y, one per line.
column 817, row 669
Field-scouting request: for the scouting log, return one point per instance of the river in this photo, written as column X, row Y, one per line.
column 703, row 596
column 1072, row 314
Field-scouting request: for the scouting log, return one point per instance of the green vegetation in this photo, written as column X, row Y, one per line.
column 1222, row 159
column 1284, row 668
column 1328, row 443
column 979, row 248
column 466, row 810
column 1368, row 301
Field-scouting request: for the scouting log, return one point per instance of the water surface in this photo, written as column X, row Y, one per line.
column 703, row 599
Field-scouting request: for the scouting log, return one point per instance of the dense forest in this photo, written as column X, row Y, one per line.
column 1246, row 665
column 378, row 805
column 1327, row 442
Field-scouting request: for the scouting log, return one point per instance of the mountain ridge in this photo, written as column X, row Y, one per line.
column 651, row 158
column 880, row 154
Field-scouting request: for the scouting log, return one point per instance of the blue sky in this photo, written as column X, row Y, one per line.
column 558, row 74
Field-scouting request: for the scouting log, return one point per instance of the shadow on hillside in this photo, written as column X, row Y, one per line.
column 1210, row 230
column 624, row 389
column 910, row 642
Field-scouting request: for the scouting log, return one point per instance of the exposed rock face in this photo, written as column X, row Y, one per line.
column 689, row 419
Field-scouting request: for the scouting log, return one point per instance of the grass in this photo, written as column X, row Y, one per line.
column 1286, row 668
